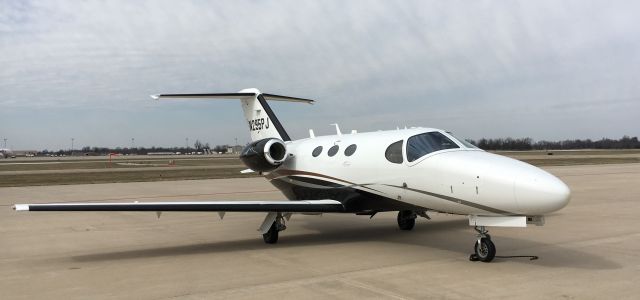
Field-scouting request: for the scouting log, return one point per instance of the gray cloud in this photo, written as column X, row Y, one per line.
column 545, row 69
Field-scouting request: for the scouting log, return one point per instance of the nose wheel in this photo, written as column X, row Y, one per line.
column 484, row 249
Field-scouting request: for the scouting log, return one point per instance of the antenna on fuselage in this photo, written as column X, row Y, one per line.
column 337, row 129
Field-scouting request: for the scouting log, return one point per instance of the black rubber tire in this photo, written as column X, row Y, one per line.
column 485, row 250
column 406, row 220
column 271, row 237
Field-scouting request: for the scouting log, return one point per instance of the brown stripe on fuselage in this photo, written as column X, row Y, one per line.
column 457, row 200
column 288, row 172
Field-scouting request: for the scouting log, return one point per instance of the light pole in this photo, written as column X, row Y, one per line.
column 234, row 146
column 5, row 143
column 72, row 139
column 186, row 142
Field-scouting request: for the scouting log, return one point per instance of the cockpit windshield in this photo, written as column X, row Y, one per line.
column 425, row 143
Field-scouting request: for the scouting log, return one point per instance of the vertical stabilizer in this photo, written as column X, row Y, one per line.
column 262, row 122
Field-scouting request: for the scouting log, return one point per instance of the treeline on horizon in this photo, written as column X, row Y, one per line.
column 517, row 144
column 87, row 150
column 625, row 142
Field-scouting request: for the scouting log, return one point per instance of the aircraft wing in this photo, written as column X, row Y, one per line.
column 302, row 206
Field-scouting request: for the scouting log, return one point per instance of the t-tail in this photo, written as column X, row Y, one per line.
column 268, row 149
column 261, row 119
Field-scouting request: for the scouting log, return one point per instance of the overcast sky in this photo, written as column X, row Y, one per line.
column 540, row 69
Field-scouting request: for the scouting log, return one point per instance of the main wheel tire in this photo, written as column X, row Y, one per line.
column 485, row 250
column 271, row 237
column 406, row 220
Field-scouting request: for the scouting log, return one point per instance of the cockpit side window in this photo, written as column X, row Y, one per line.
column 423, row 144
column 465, row 142
column 394, row 152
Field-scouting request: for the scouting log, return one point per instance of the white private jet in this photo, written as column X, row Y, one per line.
column 412, row 171
column 6, row 153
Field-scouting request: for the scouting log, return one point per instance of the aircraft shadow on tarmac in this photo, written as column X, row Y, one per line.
column 451, row 235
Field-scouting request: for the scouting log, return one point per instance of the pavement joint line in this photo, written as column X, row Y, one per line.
column 373, row 289
column 596, row 174
column 342, row 276
column 604, row 240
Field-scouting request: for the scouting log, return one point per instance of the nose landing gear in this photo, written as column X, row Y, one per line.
column 484, row 248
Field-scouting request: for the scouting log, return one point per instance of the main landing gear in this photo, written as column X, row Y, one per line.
column 406, row 219
column 271, row 236
column 484, row 248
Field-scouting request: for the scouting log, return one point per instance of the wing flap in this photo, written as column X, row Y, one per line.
column 310, row 206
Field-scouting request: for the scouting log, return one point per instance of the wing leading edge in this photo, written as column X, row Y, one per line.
column 303, row 206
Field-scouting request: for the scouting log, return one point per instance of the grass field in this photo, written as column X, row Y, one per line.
column 572, row 152
column 71, row 164
column 119, row 176
column 575, row 157
column 81, row 170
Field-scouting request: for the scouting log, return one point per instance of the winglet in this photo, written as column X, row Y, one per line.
column 155, row 97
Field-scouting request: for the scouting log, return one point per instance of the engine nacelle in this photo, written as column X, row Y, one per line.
column 264, row 155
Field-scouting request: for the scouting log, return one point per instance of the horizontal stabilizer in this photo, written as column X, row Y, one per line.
column 307, row 206
column 273, row 97
column 233, row 96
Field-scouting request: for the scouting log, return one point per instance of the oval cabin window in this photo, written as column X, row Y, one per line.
column 333, row 150
column 350, row 150
column 317, row 151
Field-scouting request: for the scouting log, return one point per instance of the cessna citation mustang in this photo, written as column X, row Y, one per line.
column 411, row 171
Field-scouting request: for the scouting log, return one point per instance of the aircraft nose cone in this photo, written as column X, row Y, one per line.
column 539, row 192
